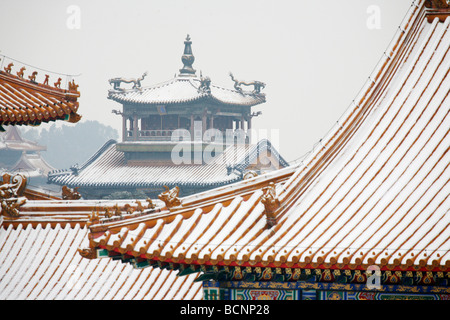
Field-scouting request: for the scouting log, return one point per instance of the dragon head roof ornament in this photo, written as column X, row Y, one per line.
column 11, row 194
column 136, row 82
column 257, row 85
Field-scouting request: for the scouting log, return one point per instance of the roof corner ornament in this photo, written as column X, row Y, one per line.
column 33, row 77
column 11, row 192
column 204, row 84
column 128, row 208
column 170, row 197
column 74, row 117
column 88, row 253
column 139, row 206
column 21, row 72
column 9, row 67
column 73, row 86
column 108, row 213
column 45, row 83
column 57, row 84
column 255, row 114
column 117, row 211
column 136, row 82
column 94, row 218
column 69, row 193
column 150, row 204
column 257, row 85
column 271, row 204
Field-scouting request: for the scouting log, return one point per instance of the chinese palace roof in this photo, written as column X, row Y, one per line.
column 39, row 260
column 10, row 139
column 33, row 165
column 108, row 168
column 185, row 89
column 374, row 192
column 23, row 101
column 30, row 161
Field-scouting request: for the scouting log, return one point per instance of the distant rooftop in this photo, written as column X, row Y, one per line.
column 187, row 86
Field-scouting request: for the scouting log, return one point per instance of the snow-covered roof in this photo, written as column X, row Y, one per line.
column 11, row 140
column 39, row 260
column 108, row 168
column 375, row 192
column 185, row 89
column 26, row 102
column 32, row 164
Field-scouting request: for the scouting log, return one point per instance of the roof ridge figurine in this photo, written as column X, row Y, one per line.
column 257, row 85
column 11, row 194
column 170, row 197
column 205, row 83
column 136, row 82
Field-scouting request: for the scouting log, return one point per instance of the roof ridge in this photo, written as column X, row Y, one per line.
column 98, row 153
column 255, row 150
column 335, row 133
column 77, row 168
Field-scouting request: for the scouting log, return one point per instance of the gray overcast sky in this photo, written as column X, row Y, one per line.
column 314, row 56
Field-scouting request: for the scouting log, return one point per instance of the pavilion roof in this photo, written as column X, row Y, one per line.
column 187, row 87
column 39, row 259
column 185, row 90
column 11, row 139
column 108, row 169
column 374, row 192
column 32, row 164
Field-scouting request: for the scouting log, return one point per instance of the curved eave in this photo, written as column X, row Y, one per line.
column 203, row 97
column 24, row 102
column 187, row 91
column 334, row 212
column 158, row 185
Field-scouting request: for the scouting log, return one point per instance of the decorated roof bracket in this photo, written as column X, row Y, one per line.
column 11, row 191
column 271, row 204
column 189, row 269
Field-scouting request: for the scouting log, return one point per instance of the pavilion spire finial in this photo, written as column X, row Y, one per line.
column 187, row 58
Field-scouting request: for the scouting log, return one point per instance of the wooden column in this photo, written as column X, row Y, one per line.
column 249, row 129
column 135, row 127
column 124, row 128
column 192, row 127
column 203, row 124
